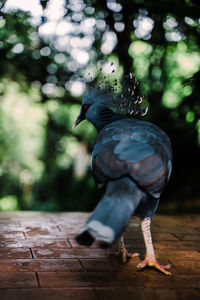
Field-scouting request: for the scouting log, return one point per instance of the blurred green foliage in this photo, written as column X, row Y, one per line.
column 50, row 53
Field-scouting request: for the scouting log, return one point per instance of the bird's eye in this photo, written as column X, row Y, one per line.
column 85, row 107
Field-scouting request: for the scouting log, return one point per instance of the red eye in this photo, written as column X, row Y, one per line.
column 85, row 107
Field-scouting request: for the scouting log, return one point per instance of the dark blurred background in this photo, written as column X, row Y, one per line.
column 50, row 51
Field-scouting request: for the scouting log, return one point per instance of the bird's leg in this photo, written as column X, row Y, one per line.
column 150, row 259
column 122, row 251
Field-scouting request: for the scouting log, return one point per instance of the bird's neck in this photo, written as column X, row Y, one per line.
column 104, row 119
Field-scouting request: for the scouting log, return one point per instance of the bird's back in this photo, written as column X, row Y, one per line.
column 134, row 148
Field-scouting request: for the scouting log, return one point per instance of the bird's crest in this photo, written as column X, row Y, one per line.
column 121, row 97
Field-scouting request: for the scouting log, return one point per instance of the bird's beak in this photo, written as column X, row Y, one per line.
column 80, row 118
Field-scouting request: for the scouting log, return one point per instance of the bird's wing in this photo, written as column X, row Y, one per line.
column 140, row 150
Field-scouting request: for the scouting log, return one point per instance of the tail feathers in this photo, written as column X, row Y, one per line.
column 113, row 213
column 95, row 230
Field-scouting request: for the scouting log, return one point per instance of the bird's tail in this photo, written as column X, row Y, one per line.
column 113, row 213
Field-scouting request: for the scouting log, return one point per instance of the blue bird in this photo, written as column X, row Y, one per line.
column 132, row 160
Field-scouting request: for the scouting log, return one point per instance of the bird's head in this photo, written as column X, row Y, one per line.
column 95, row 108
column 101, row 106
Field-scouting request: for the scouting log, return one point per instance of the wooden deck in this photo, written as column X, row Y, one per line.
column 39, row 259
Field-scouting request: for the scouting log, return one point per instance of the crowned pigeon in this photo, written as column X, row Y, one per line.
column 132, row 161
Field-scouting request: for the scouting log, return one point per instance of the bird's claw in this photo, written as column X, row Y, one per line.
column 124, row 254
column 153, row 263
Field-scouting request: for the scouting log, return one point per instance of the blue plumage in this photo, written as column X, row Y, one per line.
column 141, row 151
column 131, row 159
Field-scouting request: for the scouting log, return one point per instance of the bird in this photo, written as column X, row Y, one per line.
column 131, row 162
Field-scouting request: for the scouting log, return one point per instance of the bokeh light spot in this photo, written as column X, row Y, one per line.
column 190, row 116
column 18, row 48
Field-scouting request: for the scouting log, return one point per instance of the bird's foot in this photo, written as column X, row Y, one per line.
column 153, row 263
column 123, row 253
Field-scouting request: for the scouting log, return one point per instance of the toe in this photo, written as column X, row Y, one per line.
column 142, row 265
column 159, row 267
column 162, row 269
column 133, row 254
column 123, row 253
column 156, row 265
column 167, row 266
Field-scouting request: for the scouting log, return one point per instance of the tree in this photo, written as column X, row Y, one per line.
column 52, row 58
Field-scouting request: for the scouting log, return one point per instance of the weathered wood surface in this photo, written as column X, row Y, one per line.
column 39, row 259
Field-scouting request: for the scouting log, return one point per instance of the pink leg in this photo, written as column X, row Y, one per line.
column 122, row 251
column 150, row 259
